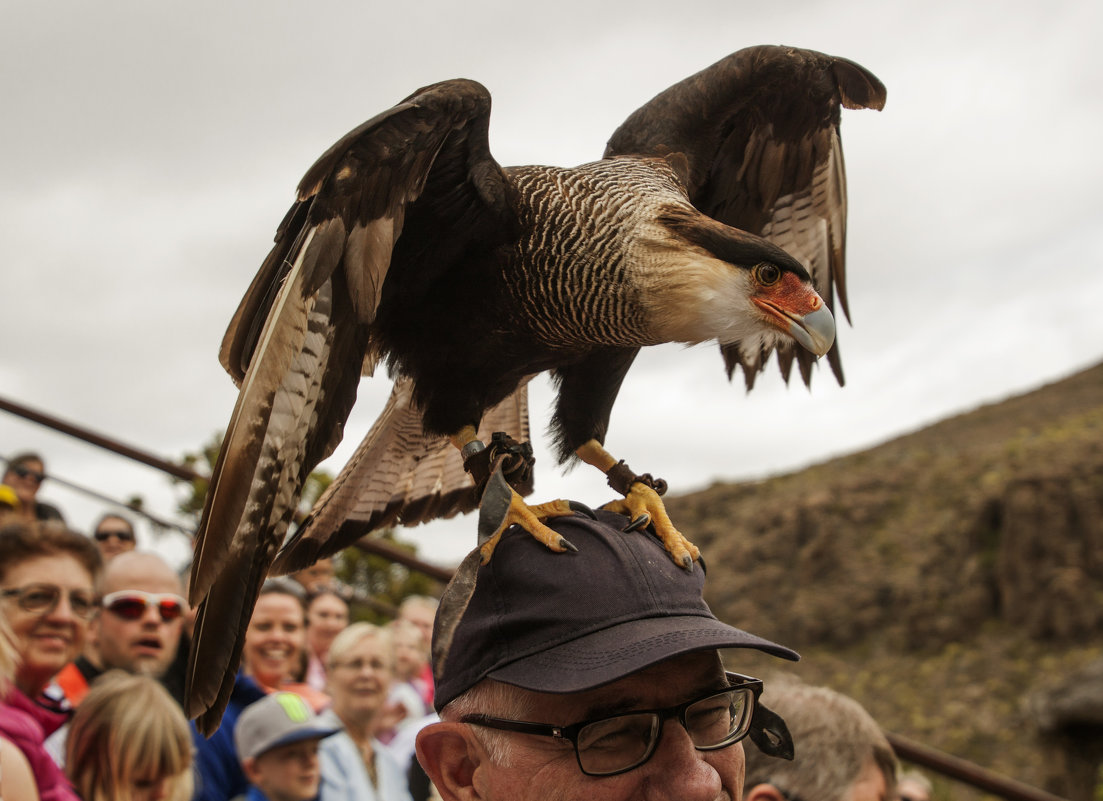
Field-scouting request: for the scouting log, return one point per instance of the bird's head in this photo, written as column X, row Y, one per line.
column 725, row 284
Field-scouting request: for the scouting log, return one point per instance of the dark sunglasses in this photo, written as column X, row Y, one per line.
column 24, row 472
column 42, row 599
column 132, row 604
column 104, row 536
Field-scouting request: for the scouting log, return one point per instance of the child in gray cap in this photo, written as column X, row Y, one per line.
column 277, row 742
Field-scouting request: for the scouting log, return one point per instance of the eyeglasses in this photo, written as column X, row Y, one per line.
column 617, row 744
column 26, row 472
column 104, row 536
column 132, row 604
column 42, row 599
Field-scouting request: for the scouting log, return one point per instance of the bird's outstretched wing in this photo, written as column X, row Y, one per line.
column 398, row 474
column 760, row 133
column 303, row 334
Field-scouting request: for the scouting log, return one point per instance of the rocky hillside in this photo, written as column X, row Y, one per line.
column 941, row 578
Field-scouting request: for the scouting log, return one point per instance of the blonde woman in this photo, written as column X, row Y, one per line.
column 128, row 741
column 16, row 778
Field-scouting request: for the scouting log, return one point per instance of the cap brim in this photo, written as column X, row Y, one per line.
column 604, row 656
column 297, row 736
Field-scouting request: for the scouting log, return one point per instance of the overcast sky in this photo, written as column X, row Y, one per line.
column 150, row 149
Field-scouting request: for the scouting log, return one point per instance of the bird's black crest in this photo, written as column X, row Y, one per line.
column 727, row 243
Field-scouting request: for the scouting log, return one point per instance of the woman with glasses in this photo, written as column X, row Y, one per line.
column 355, row 765
column 47, row 576
column 25, row 473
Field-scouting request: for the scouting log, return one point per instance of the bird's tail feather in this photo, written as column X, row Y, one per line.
column 398, row 475
column 227, row 607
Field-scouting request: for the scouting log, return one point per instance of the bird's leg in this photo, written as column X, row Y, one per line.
column 641, row 501
column 517, row 511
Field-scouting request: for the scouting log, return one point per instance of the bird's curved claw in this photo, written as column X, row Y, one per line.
column 644, row 502
column 529, row 518
column 582, row 508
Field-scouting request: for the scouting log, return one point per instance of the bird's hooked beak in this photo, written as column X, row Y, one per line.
column 798, row 310
column 815, row 330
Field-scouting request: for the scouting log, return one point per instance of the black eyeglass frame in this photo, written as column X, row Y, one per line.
column 736, row 681
column 83, row 609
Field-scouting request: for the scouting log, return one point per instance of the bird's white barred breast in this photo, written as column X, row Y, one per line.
column 587, row 252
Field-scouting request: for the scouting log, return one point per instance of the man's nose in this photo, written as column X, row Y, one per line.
column 679, row 772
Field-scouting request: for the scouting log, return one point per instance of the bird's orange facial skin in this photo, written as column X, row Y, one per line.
column 786, row 298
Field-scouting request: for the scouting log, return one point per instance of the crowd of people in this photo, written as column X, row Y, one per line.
column 94, row 635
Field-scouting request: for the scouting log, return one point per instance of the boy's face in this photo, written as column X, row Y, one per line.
column 286, row 773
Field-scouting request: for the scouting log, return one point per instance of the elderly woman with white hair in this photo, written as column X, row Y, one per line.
column 355, row 765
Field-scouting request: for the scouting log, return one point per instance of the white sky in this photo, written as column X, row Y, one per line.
column 150, row 149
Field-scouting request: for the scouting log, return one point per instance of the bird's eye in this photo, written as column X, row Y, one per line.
column 767, row 274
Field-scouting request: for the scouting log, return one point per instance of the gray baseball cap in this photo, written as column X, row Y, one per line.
column 275, row 720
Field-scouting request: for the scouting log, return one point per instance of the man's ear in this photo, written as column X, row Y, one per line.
column 763, row 792
column 450, row 754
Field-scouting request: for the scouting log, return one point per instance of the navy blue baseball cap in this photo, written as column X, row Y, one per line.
column 568, row 622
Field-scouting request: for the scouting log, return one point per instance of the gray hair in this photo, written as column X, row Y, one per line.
column 495, row 698
column 835, row 739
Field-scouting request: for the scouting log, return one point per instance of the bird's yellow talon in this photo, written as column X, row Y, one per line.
column 643, row 503
column 529, row 518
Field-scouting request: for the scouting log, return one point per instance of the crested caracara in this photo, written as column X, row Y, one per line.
column 716, row 214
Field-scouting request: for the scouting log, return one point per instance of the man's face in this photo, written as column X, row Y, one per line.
column 544, row 769
column 287, row 773
column 318, row 575
column 114, row 536
column 421, row 616
column 870, row 785
column 147, row 645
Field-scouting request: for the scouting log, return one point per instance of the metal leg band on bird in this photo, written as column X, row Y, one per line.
column 514, row 458
column 498, row 471
column 641, row 504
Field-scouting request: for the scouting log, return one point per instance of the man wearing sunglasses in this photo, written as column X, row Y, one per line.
column 592, row 675
column 114, row 535
column 137, row 627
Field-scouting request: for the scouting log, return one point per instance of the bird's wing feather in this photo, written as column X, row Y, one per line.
column 760, row 132
column 299, row 339
column 398, row 474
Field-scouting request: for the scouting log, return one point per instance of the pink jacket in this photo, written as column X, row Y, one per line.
column 27, row 724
